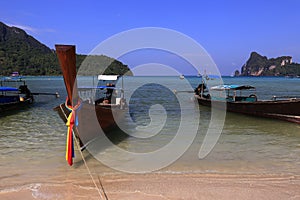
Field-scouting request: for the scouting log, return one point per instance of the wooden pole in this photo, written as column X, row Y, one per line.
column 67, row 60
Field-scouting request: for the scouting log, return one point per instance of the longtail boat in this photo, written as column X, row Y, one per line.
column 15, row 94
column 92, row 117
column 284, row 108
column 13, row 98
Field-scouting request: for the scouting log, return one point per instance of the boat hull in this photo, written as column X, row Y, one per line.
column 15, row 105
column 288, row 110
column 94, row 121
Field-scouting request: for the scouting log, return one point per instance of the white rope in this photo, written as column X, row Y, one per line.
column 88, row 169
column 85, row 163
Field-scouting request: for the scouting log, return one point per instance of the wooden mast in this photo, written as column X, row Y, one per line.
column 67, row 60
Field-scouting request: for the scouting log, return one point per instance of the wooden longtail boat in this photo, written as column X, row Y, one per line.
column 283, row 108
column 17, row 97
column 95, row 118
column 13, row 98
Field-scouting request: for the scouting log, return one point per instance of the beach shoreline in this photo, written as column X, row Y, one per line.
column 254, row 158
column 164, row 186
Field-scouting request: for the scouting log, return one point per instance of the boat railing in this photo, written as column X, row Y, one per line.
column 9, row 82
column 98, row 95
column 251, row 98
column 275, row 98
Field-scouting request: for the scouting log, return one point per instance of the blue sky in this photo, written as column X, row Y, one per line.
column 228, row 30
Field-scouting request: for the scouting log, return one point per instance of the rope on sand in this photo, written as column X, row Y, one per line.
column 88, row 169
column 102, row 188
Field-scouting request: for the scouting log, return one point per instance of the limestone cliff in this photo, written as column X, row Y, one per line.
column 258, row 65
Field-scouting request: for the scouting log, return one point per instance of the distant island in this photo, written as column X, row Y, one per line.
column 23, row 53
column 258, row 65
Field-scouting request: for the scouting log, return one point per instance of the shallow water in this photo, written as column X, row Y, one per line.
column 32, row 141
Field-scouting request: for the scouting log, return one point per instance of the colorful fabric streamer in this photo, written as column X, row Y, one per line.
column 70, row 143
column 72, row 120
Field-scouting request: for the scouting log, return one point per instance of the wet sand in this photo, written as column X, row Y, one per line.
column 164, row 186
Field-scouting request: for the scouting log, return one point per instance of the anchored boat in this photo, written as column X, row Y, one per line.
column 13, row 98
column 91, row 117
column 284, row 108
column 15, row 95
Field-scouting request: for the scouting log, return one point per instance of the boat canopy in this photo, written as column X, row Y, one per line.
column 232, row 87
column 8, row 89
column 96, row 87
column 108, row 77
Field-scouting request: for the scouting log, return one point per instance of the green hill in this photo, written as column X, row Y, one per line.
column 23, row 53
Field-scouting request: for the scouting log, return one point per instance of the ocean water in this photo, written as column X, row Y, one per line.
column 32, row 141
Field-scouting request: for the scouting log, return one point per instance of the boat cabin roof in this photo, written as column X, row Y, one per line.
column 8, row 89
column 232, row 87
column 108, row 77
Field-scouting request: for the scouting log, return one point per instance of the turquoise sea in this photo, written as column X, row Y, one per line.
column 32, row 141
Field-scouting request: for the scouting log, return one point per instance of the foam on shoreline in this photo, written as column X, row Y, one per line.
column 164, row 186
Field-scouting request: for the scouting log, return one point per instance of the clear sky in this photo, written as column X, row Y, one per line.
column 228, row 30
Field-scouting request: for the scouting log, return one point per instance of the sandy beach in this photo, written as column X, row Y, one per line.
column 165, row 186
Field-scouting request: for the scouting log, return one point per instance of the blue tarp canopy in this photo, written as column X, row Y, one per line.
column 6, row 89
column 232, row 87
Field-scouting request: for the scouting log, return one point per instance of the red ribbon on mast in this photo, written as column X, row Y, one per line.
column 70, row 142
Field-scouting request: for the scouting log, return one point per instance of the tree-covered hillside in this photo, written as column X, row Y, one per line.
column 95, row 65
column 23, row 53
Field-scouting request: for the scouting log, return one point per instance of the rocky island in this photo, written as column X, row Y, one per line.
column 258, row 65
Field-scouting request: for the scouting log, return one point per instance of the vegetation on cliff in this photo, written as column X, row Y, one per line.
column 258, row 65
column 23, row 53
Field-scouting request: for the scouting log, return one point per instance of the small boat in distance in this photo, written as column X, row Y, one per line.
column 15, row 75
column 284, row 108
column 15, row 95
column 13, row 98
